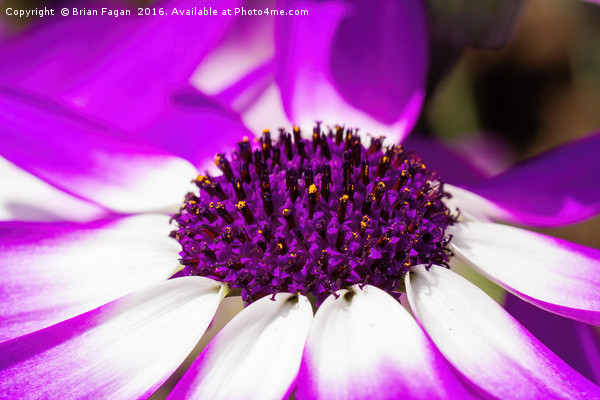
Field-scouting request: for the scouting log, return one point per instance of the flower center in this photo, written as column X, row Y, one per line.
column 313, row 218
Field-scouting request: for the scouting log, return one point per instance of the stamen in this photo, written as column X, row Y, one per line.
column 238, row 188
column 288, row 215
column 268, row 203
column 265, row 144
column 308, row 177
column 313, row 198
column 245, row 172
column 245, row 150
column 223, row 213
column 341, row 210
column 349, row 189
column 245, row 211
column 364, row 172
column 224, row 166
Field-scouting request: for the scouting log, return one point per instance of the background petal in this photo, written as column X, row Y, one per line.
column 451, row 166
column 486, row 344
column 256, row 356
column 574, row 342
column 365, row 345
column 54, row 271
column 119, row 72
column 555, row 188
column 556, row 275
column 89, row 160
column 195, row 127
column 123, row 350
column 359, row 63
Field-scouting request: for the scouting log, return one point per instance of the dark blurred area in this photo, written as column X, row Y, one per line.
column 499, row 106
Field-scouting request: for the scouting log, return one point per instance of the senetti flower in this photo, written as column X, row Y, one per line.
column 328, row 235
column 351, row 228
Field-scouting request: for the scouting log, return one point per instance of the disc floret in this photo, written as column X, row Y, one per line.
column 293, row 215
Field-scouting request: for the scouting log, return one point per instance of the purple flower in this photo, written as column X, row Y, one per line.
column 88, row 309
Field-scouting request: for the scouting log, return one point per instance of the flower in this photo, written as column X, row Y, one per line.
column 156, row 327
column 61, row 340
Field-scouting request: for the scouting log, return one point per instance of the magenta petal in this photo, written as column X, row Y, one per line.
column 574, row 342
column 354, row 62
column 195, row 127
column 119, row 71
column 88, row 160
column 556, row 188
column 122, row 350
column 54, row 271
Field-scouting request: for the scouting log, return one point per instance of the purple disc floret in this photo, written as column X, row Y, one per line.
column 313, row 217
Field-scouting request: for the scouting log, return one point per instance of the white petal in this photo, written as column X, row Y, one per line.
column 486, row 344
column 54, row 271
column 256, row 356
column 556, row 275
column 365, row 345
column 122, row 350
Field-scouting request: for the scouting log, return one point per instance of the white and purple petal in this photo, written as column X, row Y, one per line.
column 123, row 350
column 556, row 275
column 360, row 63
column 365, row 345
column 488, row 346
column 256, row 356
column 89, row 160
column 29, row 198
column 55, row 271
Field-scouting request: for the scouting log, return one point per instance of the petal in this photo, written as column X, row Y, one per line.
column 556, row 275
column 87, row 160
column 471, row 206
column 248, row 44
column 256, row 356
column 195, row 127
column 365, row 345
column 555, row 188
column 120, row 73
column 122, row 350
column 267, row 111
column 486, row 344
column 359, row 63
column 31, row 199
column 54, row 271
column 558, row 333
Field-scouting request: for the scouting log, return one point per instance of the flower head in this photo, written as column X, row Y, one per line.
column 313, row 218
